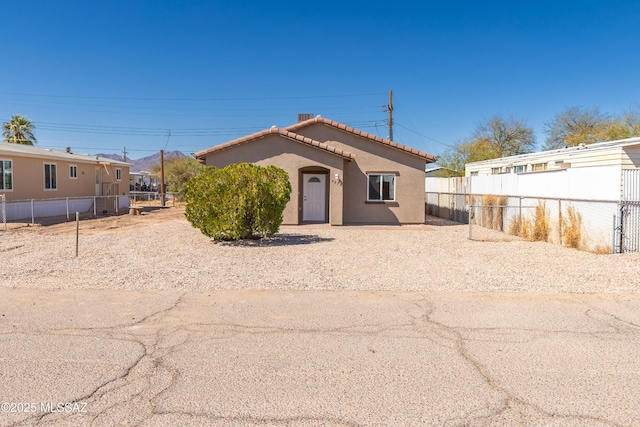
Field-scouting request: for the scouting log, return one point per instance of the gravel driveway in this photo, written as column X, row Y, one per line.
column 160, row 250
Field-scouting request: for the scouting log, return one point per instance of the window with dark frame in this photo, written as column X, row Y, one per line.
column 6, row 175
column 381, row 187
column 73, row 171
column 50, row 176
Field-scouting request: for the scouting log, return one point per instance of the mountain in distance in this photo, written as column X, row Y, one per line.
column 145, row 163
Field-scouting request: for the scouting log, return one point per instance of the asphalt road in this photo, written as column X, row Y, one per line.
column 247, row 358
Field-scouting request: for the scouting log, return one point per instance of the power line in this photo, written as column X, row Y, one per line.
column 193, row 99
column 424, row 136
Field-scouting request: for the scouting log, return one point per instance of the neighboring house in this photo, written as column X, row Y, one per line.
column 338, row 174
column 598, row 185
column 433, row 172
column 42, row 174
column 605, row 170
column 144, row 181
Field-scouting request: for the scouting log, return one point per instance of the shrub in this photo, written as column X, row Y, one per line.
column 240, row 201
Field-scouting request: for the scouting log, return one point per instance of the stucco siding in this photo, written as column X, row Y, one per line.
column 371, row 156
column 292, row 157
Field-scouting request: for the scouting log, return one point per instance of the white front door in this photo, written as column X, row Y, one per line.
column 314, row 200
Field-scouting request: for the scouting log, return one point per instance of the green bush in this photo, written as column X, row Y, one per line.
column 240, row 201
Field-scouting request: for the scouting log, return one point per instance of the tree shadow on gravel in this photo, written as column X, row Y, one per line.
column 279, row 240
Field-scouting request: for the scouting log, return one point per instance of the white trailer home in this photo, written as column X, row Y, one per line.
column 598, row 181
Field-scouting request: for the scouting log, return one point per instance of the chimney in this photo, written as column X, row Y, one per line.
column 302, row 117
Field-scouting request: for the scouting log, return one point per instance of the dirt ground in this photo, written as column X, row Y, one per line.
column 104, row 225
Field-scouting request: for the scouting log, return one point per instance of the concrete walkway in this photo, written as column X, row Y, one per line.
column 246, row 358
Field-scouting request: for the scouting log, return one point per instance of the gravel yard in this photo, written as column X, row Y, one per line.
column 160, row 250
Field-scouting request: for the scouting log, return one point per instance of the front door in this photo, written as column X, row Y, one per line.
column 314, row 197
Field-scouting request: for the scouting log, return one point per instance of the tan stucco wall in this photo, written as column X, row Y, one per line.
column 292, row 157
column 371, row 156
column 28, row 179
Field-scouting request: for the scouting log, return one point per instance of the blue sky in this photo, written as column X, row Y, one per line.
column 99, row 76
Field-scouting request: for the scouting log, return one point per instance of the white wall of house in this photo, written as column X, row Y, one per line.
column 597, row 183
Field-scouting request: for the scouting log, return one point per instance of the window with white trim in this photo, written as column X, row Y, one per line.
column 381, row 187
column 539, row 167
column 50, row 176
column 118, row 174
column 73, row 171
column 6, row 175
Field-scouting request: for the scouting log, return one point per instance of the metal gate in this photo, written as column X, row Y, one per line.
column 629, row 216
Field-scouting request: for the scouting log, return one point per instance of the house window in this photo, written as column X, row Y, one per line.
column 495, row 171
column 73, row 171
column 50, row 176
column 539, row 167
column 6, row 175
column 381, row 187
column 118, row 174
column 474, row 173
column 519, row 169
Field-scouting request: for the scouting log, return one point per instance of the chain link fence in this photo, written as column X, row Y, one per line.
column 151, row 198
column 63, row 209
column 3, row 212
column 600, row 226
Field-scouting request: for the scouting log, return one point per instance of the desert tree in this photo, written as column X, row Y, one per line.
column 576, row 125
column 177, row 173
column 493, row 137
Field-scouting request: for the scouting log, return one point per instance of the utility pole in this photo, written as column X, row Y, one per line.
column 389, row 108
column 162, row 178
column 124, row 152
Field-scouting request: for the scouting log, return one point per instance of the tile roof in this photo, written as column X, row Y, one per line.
column 319, row 119
column 282, row 132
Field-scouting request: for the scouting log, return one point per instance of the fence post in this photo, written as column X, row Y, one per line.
column 560, row 221
column 614, row 232
column 470, row 214
column 95, row 208
column 67, row 209
column 33, row 220
column 3, row 211
column 520, row 216
column 117, row 205
column 77, row 231
column 622, row 228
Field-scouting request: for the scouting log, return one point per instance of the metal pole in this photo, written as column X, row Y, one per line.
column 613, row 235
column 162, row 189
column 67, row 209
column 470, row 214
column 560, row 221
column 77, row 231
column 33, row 220
column 519, row 216
column 95, row 208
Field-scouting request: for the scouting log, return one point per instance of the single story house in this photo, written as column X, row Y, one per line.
column 29, row 173
column 144, row 181
column 624, row 153
column 339, row 175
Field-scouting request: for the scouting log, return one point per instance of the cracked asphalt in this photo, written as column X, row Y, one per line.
column 318, row 358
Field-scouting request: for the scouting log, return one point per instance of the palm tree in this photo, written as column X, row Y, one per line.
column 18, row 130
